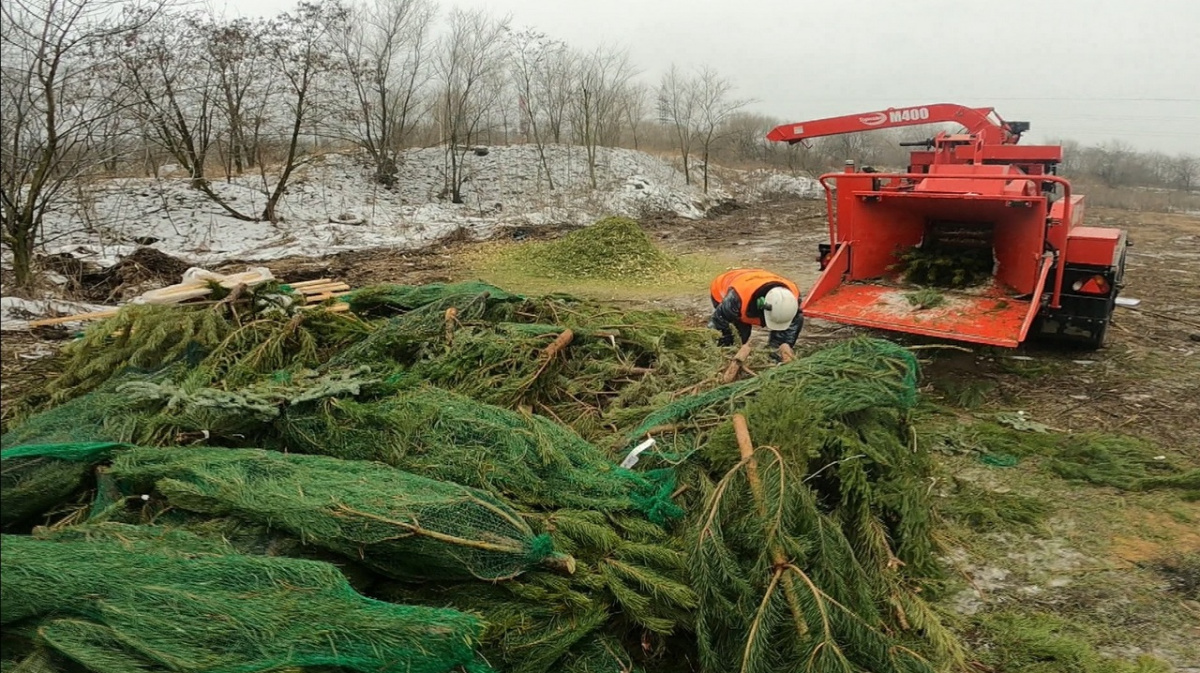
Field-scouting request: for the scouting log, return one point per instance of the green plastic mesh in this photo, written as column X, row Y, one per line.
column 350, row 414
column 630, row 580
column 438, row 434
column 391, row 299
column 35, row 479
column 78, row 452
column 105, row 414
column 123, row 598
column 856, row 374
column 398, row 524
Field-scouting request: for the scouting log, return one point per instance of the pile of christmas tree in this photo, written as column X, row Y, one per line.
column 444, row 478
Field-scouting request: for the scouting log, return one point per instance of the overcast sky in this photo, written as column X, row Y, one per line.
column 1092, row 70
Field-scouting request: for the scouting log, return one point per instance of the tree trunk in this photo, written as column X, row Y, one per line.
column 455, row 176
column 21, row 244
column 290, row 163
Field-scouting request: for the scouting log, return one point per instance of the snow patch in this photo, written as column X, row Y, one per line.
column 16, row 313
column 765, row 184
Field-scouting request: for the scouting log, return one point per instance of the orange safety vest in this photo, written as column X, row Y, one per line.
column 746, row 283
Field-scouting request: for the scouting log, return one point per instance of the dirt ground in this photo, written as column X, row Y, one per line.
column 1097, row 559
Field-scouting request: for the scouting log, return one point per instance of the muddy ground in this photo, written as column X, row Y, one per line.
column 1099, row 559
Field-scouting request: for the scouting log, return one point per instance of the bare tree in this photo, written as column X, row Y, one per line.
column 1186, row 168
column 746, row 136
column 300, row 46
column 555, row 85
column 54, row 107
column 859, row 147
column 801, row 157
column 534, row 58
column 297, row 59
column 470, row 76
column 678, row 109
column 1072, row 161
column 161, row 65
column 385, row 48
column 714, row 106
column 601, row 79
column 634, row 108
column 1111, row 162
column 245, row 84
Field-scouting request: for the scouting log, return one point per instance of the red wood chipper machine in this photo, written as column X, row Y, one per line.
column 963, row 193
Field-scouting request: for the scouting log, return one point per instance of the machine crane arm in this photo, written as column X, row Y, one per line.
column 977, row 121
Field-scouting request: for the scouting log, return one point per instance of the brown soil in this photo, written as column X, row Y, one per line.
column 1160, row 536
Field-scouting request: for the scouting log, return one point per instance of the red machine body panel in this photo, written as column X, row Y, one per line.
column 1095, row 246
column 974, row 120
column 993, row 318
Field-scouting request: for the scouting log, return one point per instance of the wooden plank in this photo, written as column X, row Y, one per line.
column 247, row 278
column 318, row 298
column 179, row 296
column 315, row 291
column 321, row 289
column 309, row 283
column 335, row 308
column 78, row 317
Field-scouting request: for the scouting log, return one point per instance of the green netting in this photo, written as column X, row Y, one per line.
column 385, row 299
column 123, row 598
column 36, row 479
column 103, row 415
column 78, row 452
column 630, row 582
column 442, row 435
column 429, row 431
column 856, row 374
column 399, row 524
column 809, row 554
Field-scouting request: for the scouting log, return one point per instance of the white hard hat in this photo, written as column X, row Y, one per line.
column 781, row 307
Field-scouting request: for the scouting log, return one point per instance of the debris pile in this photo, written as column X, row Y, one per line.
column 454, row 453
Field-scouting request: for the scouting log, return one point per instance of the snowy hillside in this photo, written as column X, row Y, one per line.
column 507, row 186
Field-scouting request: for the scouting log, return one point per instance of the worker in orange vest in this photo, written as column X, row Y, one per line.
column 744, row 298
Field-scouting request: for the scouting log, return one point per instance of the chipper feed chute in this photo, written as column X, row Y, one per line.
column 991, row 317
column 997, row 235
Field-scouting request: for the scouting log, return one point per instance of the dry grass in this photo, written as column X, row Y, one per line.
column 1143, row 199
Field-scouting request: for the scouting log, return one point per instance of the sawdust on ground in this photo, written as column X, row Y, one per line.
column 1161, row 535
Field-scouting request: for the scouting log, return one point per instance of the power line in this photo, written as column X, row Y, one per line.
column 1049, row 99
